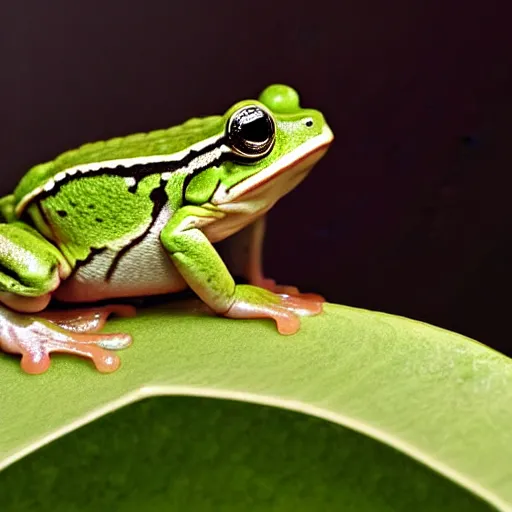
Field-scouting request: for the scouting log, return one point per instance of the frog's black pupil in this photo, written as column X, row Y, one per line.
column 255, row 126
column 251, row 132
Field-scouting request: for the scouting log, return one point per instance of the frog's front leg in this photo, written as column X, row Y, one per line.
column 206, row 273
column 30, row 269
column 243, row 253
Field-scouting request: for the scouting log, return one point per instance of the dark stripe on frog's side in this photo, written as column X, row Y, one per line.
column 44, row 218
column 140, row 171
column 82, row 263
column 159, row 198
column 39, row 221
column 158, row 195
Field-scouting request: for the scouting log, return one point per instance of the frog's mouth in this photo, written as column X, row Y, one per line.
column 280, row 177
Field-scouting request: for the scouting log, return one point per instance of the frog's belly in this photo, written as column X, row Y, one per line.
column 144, row 269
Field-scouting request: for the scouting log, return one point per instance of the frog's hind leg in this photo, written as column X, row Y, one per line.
column 30, row 269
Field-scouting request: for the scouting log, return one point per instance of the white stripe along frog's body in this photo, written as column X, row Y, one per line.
column 137, row 216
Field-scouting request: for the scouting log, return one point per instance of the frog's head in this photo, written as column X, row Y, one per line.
column 275, row 143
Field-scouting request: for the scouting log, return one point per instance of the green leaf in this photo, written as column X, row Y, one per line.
column 418, row 418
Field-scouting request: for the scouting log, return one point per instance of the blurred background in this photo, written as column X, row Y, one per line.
column 409, row 212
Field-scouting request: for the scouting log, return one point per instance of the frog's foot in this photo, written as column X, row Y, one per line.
column 270, row 285
column 285, row 309
column 36, row 338
column 87, row 320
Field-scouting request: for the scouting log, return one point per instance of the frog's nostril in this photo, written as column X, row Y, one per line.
column 309, row 123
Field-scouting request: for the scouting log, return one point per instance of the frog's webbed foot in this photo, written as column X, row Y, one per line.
column 35, row 338
column 293, row 291
column 284, row 309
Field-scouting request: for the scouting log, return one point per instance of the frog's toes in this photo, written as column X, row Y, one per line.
column 35, row 339
column 285, row 310
column 87, row 320
column 304, row 304
column 40, row 339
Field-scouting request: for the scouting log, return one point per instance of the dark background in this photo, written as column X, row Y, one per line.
column 409, row 212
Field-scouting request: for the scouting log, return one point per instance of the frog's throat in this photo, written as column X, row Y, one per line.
column 288, row 162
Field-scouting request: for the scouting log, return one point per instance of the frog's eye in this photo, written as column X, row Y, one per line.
column 251, row 132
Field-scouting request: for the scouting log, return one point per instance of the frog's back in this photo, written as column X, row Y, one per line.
column 159, row 142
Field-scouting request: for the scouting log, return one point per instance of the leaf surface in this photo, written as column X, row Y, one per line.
column 435, row 396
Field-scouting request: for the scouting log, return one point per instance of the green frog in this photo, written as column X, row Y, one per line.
column 139, row 215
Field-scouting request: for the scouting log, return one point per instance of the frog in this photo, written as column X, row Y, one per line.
column 143, row 215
